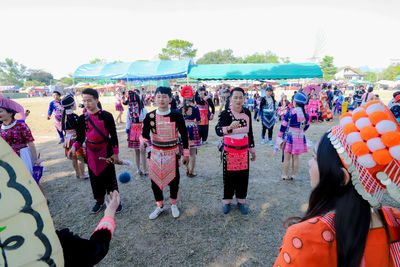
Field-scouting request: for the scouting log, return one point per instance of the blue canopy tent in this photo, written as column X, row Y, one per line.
column 270, row 71
column 135, row 71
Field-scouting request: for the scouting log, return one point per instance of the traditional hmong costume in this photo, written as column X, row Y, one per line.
column 69, row 125
column 267, row 113
column 368, row 144
column 326, row 113
column 191, row 115
column 163, row 163
column 204, row 105
column 57, row 108
column 283, row 108
column 17, row 134
column 237, row 143
column 101, row 141
column 134, row 120
column 118, row 103
column 292, row 131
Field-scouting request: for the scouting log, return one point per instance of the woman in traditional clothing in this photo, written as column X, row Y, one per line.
column 345, row 223
column 291, row 136
column 283, row 107
column 192, row 116
column 326, row 112
column 118, row 106
column 69, row 124
column 235, row 126
column 267, row 113
column 16, row 133
column 134, row 121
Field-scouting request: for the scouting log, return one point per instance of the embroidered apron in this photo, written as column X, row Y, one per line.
column 236, row 153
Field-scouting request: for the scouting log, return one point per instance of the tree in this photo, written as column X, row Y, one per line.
column 267, row 57
column 12, row 73
column 328, row 69
column 177, row 49
column 285, row 60
column 370, row 76
column 390, row 73
column 33, row 83
column 219, row 57
column 67, row 80
column 98, row 61
column 40, row 76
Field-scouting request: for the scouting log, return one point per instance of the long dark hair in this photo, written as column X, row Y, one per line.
column 352, row 212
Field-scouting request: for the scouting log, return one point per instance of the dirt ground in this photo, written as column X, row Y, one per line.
column 202, row 235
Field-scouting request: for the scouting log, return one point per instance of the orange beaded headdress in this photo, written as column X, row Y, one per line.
column 368, row 142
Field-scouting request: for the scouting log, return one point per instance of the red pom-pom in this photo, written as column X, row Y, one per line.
column 391, row 139
column 349, row 128
column 187, row 92
column 346, row 114
column 382, row 157
column 369, row 132
column 360, row 148
column 378, row 116
column 359, row 114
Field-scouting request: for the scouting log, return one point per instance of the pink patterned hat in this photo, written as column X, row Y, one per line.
column 13, row 106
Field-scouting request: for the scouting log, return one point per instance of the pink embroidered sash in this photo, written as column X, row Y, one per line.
column 162, row 165
column 236, row 153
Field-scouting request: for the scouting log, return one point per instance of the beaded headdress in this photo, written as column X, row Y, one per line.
column 368, row 142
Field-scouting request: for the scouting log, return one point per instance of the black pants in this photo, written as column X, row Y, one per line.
column 255, row 113
column 104, row 183
column 270, row 132
column 203, row 132
column 235, row 182
column 173, row 187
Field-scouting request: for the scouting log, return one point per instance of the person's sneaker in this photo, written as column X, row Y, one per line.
column 270, row 143
column 243, row 208
column 97, row 207
column 61, row 141
column 119, row 209
column 226, row 208
column 156, row 213
column 263, row 141
column 175, row 211
column 204, row 143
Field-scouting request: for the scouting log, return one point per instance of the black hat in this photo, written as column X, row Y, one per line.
column 67, row 101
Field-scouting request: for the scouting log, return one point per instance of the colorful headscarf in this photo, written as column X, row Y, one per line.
column 300, row 98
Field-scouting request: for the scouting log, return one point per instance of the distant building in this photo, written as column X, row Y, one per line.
column 349, row 73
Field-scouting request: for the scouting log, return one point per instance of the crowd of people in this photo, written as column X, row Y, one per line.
column 352, row 165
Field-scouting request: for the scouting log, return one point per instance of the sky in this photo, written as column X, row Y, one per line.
column 59, row 35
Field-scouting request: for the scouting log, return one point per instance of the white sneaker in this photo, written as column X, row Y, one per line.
column 156, row 213
column 263, row 141
column 175, row 211
column 270, row 143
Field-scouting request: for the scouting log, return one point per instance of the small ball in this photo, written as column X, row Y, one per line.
column 124, row 177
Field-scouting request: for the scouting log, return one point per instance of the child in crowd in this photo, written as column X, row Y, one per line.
column 291, row 136
column 69, row 125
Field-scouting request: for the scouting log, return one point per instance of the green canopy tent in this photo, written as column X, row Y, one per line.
column 270, row 71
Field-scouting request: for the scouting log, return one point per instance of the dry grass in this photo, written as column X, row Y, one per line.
column 202, row 236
